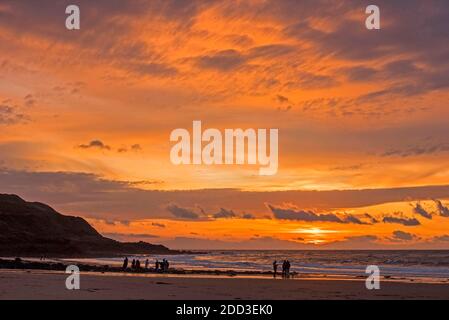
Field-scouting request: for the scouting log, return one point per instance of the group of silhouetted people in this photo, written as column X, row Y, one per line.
column 160, row 266
column 285, row 269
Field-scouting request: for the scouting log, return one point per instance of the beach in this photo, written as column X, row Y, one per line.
column 37, row 284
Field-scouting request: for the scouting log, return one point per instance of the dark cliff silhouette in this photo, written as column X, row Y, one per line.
column 35, row 229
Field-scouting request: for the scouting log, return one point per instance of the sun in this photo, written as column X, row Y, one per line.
column 314, row 231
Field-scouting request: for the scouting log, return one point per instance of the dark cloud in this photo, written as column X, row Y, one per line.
column 302, row 215
column 307, row 80
column 231, row 59
column 353, row 219
column 136, row 147
column 154, row 69
column 131, row 237
column 371, row 218
column 418, row 209
column 442, row 210
column 183, row 213
column 403, row 236
column 224, row 213
column 10, row 115
column 443, row 238
column 134, row 235
column 270, row 51
column 418, row 150
column 359, row 73
column 226, row 60
column 248, row 216
column 310, row 216
column 415, row 30
column 29, row 100
column 159, row 225
column 282, row 99
column 361, row 242
column 144, row 182
column 240, row 39
column 404, row 221
column 95, row 144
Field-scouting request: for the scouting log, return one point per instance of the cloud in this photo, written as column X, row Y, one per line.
column 443, row 238
column 417, row 150
column 145, row 183
column 403, row 236
column 130, row 237
column 443, row 211
column 418, row 209
column 404, row 221
column 183, row 213
column 159, row 225
column 371, row 218
column 248, row 216
column 282, row 99
column 95, row 144
column 302, row 215
column 359, row 73
column 353, row 219
column 270, row 51
column 360, row 242
column 224, row 213
column 136, row 147
column 226, row 60
column 310, row 216
column 154, row 69
column 231, row 59
column 10, row 115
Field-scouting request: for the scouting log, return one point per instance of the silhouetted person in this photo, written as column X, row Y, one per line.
column 157, row 266
column 125, row 263
column 146, row 264
column 287, row 269
column 133, row 264
column 137, row 264
column 275, row 268
column 167, row 264
column 284, row 268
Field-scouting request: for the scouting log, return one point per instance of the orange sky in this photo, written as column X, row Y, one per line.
column 85, row 118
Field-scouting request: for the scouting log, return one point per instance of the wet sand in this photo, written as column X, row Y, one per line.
column 35, row 284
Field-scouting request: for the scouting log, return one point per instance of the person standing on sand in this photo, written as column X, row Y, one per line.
column 284, row 264
column 275, row 268
column 146, row 264
column 125, row 263
column 157, row 266
column 287, row 269
column 133, row 264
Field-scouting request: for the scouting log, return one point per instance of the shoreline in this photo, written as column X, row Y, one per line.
column 58, row 265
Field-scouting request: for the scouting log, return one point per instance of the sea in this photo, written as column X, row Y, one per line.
column 430, row 264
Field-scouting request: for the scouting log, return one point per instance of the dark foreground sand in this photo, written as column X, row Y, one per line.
column 43, row 285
